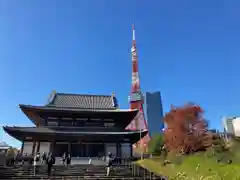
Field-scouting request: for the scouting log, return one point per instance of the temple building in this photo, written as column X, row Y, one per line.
column 82, row 125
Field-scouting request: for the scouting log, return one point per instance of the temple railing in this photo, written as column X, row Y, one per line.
column 137, row 170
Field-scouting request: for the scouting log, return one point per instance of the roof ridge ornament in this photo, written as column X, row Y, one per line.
column 51, row 97
column 114, row 101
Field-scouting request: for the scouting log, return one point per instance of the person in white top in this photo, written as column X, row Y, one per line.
column 35, row 159
column 34, row 164
column 89, row 160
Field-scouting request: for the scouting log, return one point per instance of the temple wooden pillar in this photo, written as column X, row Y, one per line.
column 38, row 147
column 118, row 146
column 69, row 148
column 22, row 148
column 33, row 147
column 131, row 149
column 52, row 146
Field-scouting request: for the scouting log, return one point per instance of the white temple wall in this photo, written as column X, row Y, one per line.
column 112, row 148
column 27, row 147
column 126, row 149
column 44, row 147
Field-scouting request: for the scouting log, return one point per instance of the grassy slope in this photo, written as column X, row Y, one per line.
column 208, row 168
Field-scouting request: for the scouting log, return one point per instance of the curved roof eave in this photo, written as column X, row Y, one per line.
column 20, row 134
column 51, row 131
column 58, row 108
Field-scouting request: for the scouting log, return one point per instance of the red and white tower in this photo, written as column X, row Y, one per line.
column 136, row 99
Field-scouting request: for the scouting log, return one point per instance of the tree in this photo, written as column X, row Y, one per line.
column 10, row 152
column 156, row 143
column 186, row 130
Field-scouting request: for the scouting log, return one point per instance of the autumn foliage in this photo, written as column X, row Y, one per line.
column 187, row 130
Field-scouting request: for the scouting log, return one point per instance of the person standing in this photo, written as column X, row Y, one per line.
column 43, row 158
column 89, row 160
column 68, row 160
column 64, row 158
column 50, row 162
column 109, row 160
column 35, row 159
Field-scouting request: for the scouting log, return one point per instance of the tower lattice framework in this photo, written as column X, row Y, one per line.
column 136, row 99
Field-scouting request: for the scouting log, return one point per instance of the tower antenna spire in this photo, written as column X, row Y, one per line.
column 133, row 31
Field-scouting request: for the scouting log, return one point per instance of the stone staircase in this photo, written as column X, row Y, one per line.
column 78, row 172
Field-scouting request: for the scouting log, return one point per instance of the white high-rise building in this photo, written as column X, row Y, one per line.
column 232, row 125
column 236, row 126
column 228, row 125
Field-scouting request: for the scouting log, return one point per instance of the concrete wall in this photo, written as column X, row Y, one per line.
column 111, row 147
column 27, row 147
column 44, row 147
column 126, row 149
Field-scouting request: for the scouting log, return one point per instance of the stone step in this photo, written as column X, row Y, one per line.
column 66, row 173
column 69, row 172
column 72, row 177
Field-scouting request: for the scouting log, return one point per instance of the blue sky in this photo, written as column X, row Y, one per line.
column 188, row 50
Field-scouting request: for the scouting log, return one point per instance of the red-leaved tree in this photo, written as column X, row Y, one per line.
column 187, row 130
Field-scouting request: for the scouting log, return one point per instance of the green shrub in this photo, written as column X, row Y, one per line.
column 218, row 145
column 10, row 152
column 156, row 144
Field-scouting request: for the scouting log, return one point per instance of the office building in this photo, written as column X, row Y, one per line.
column 232, row 125
column 236, row 126
column 153, row 112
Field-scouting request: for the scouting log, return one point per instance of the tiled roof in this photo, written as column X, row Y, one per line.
column 82, row 101
column 3, row 144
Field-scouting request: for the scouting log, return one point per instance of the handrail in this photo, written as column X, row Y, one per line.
column 145, row 173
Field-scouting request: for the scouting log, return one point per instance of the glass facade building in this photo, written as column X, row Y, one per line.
column 153, row 112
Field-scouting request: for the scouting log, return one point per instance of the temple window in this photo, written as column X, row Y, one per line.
column 52, row 118
column 81, row 119
column 94, row 124
column 80, row 123
column 67, row 118
column 65, row 123
column 95, row 119
column 109, row 120
column 109, row 124
column 52, row 123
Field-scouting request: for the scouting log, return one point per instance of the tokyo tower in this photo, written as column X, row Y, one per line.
column 136, row 98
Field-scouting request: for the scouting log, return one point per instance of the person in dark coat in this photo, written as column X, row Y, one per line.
column 43, row 158
column 68, row 160
column 50, row 162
